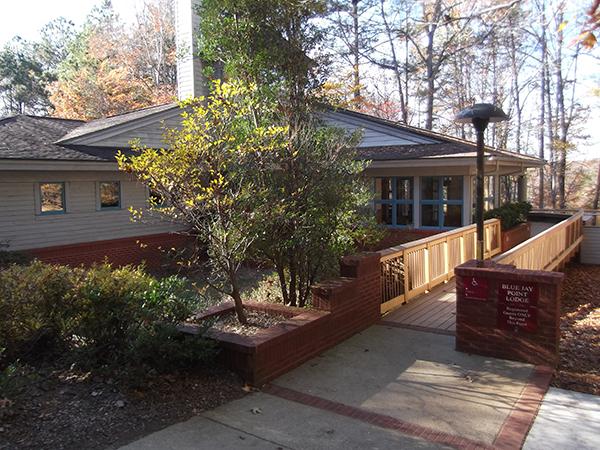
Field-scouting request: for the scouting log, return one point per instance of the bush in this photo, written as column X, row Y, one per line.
column 510, row 214
column 164, row 348
column 110, row 309
column 36, row 307
column 108, row 315
column 10, row 258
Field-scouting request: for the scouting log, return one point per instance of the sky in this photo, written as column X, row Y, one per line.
column 26, row 17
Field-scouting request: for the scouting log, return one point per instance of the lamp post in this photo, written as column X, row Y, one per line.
column 480, row 115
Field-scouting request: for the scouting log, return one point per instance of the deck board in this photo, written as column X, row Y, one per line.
column 435, row 310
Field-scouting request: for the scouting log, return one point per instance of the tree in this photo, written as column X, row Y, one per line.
column 209, row 176
column 318, row 207
column 23, row 79
column 111, row 69
column 350, row 35
column 315, row 191
column 272, row 43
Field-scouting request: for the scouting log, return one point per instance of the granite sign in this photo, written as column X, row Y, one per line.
column 476, row 288
column 517, row 306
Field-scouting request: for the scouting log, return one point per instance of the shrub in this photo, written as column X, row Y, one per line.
column 110, row 309
column 10, row 258
column 36, row 306
column 164, row 348
column 510, row 214
column 108, row 315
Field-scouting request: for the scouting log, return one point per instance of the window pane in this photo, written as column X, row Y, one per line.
column 430, row 188
column 404, row 188
column 383, row 189
column 404, row 214
column 110, row 196
column 429, row 215
column 509, row 189
column 452, row 216
column 156, row 200
column 453, row 188
column 52, row 197
column 383, row 213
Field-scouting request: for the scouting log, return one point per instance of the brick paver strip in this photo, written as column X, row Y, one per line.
column 511, row 436
column 389, row 323
column 379, row 420
column 516, row 426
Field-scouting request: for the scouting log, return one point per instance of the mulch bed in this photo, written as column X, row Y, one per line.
column 256, row 321
column 579, row 367
column 60, row 408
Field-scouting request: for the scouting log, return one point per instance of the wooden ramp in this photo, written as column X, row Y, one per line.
column 433, row 312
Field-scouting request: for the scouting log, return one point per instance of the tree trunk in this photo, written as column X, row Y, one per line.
column 237, row 300
column 395, row 65
column 355, row 52
column 597, row 196
column 544, row 55
column 561, row 113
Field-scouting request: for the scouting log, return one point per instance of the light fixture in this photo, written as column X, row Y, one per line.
column 480, row 115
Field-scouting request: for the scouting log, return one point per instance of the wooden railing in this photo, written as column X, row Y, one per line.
column 548, row 250
column 413, row 268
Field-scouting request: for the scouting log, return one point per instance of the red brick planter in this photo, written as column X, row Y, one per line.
column 344, row 306
column 513, row 237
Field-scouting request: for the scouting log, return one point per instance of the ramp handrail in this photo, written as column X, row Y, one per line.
column 410, row 269
column 549, row 249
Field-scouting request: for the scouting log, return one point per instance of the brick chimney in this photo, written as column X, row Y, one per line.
column 190, row 80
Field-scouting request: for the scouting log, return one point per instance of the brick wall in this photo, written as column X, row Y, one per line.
column 513, row 237
column 481, row 323
column 342, row 307
column 119, row 252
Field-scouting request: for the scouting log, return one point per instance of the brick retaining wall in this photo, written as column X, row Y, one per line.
column 119, row 252
column 342, row 307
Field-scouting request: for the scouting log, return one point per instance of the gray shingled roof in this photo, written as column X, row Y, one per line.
column 431, row 151
column 112, row 121
column 44, row 138
column 30, row 137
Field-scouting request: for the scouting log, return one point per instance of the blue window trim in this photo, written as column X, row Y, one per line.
column 440, row 202
column 394, row 201
column 109, row 208
column 63, row 198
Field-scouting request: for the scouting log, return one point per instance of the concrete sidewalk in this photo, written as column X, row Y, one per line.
column 384, row 388
column 566, row 420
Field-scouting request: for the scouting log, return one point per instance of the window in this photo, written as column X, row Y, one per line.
column 155, row 199
column 110, row 194
column 394, row 201
column 441, row 201
column 489, row 193
column 52, row 198
column 509, row 189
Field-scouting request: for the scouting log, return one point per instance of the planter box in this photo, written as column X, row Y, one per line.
column 344, row 306
column 272, row 351
column 513, row 237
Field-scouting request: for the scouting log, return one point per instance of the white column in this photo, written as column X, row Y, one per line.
column 416, row 202
column 497, row 185
column 467, row 200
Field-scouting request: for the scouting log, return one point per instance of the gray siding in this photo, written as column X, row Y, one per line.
column 150, row 131
column 374, row 135
column 150, row 134
column 22, row 227
column 590, row 250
